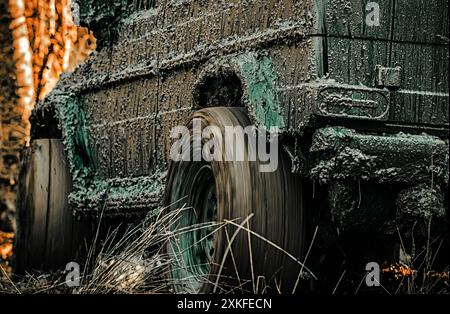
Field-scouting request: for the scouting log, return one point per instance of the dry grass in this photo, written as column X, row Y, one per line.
column 416, row 273
column 136, row 262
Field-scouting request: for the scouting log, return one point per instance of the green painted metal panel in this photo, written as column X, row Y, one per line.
column 424, row 21
column 261, row 87
column 353, row 61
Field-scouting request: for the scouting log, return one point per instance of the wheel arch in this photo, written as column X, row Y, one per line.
column 45, row 122
column 245, row 80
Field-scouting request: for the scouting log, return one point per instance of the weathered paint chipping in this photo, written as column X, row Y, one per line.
column 261, row 86
column 90, row 193
column 70, row 114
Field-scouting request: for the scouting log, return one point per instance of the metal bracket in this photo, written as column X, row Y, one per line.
column 387, row 77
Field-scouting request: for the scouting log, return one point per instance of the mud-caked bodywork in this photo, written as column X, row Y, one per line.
column 359, row 93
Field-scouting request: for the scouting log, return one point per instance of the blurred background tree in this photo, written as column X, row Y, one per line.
column 38, row 41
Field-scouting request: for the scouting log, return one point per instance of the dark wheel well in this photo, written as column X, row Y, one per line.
column 44, row 123
column 220, row 88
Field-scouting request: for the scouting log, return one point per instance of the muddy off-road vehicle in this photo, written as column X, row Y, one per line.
column 357, row 89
